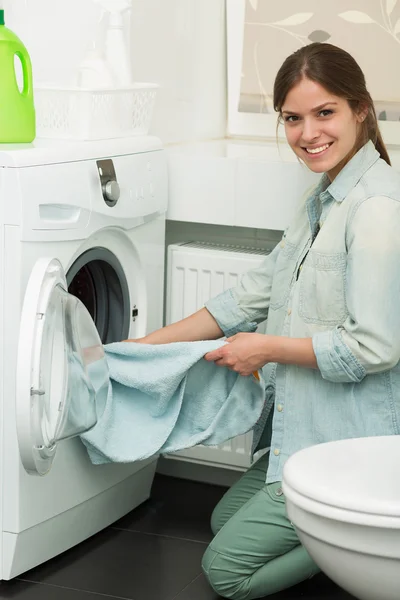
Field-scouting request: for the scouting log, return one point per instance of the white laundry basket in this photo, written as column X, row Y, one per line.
column 94, row 114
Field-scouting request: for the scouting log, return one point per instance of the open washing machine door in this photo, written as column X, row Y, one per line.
column 62, row 374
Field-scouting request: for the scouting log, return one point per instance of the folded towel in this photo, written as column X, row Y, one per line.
column 165, row 398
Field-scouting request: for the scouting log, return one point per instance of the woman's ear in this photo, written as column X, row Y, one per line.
column 362, row 114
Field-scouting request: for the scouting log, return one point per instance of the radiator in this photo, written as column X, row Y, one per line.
column 197, row 271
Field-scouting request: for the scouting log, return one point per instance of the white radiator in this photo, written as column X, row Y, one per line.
column 197, row 271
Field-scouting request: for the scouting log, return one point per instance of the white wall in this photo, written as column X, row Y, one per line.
column 179, row 44
column 55, row 32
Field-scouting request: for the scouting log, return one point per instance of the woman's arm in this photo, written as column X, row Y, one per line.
column 292, row 351
column 369, row 339
column 225, row 314
column 199, row 326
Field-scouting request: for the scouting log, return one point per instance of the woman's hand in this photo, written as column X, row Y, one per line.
column 247, row 352
column 244, row 353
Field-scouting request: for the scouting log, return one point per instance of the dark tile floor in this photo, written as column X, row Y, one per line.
column 153, row 553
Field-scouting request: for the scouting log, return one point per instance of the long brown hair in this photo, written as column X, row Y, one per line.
column 337, row 71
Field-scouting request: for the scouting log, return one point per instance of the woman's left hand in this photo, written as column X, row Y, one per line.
column 244, row 353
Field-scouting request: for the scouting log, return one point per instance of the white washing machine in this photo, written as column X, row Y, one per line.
column 87, row 219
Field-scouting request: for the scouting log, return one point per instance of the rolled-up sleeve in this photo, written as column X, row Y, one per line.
column 243, row 307
column 369, row 339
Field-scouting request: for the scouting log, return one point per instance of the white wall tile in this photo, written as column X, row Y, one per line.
column 201, row 189
column 268, row 192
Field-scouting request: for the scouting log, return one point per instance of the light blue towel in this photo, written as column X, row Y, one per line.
column 164, row 398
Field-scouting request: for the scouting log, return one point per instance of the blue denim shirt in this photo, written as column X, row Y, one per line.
column 341, row 287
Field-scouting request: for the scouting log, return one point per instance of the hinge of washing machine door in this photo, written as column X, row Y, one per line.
column 135, row 313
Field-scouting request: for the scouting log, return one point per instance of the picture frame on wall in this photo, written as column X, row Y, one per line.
column 241, row 123
column 260, row 35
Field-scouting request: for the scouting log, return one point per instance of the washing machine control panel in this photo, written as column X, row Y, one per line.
column 108, row 179
column 71, row 199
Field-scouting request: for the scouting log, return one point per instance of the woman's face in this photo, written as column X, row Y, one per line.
column 320, row 128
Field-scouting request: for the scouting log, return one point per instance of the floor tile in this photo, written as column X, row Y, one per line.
column 177, row 508
column 317, row 588
column 154, row 553
column 125, row 564
column 199, row 589
column 20, row 590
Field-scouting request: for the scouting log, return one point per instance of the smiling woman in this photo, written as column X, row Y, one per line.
column 320, row 94
column 329, row 293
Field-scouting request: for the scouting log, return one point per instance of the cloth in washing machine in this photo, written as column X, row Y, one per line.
column 165, row 398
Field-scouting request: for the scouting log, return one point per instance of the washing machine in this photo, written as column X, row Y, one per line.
column 82, row 230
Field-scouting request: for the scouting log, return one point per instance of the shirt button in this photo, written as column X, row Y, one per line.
column 279, row 492
column 277, row 452
column 289, row 312
column 279, row 408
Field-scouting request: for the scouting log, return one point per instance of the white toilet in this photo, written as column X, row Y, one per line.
column 344, row 500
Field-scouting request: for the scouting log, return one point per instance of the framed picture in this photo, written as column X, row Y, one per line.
column 261, row 34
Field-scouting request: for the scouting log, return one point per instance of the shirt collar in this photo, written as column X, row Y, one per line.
column 350, row 175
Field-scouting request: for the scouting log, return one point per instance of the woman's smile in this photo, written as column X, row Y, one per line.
column 318, row 151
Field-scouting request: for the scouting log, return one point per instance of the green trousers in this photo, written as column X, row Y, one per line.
column 255, row 551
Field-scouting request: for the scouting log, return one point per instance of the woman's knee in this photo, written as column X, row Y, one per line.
column 232, row 577
column 218, row 518
column 224, row 579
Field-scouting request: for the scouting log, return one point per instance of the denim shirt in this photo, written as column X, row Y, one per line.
column 335, row 278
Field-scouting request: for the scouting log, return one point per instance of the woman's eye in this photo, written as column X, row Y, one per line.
column 291, row 119
column 326, row 112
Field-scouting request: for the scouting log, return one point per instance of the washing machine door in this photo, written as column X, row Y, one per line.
column 62, row 375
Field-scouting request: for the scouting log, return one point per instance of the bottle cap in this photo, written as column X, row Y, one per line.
column 1, row 17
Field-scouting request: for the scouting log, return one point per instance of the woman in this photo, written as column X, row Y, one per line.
column 330, row 291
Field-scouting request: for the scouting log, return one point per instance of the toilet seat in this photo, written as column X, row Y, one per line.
column 352, row 480
column 343, row 499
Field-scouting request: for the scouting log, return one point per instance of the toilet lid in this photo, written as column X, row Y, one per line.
column 361, row 475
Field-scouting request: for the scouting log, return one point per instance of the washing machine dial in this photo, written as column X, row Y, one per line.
column 108, row 181
column 111, row 192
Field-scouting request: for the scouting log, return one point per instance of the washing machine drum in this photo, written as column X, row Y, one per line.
column 98, row 280
column 62, row 374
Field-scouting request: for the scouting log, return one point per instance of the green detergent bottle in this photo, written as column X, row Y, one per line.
column 17, row 111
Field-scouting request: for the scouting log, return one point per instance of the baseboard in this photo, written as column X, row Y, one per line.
column 196, row 472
